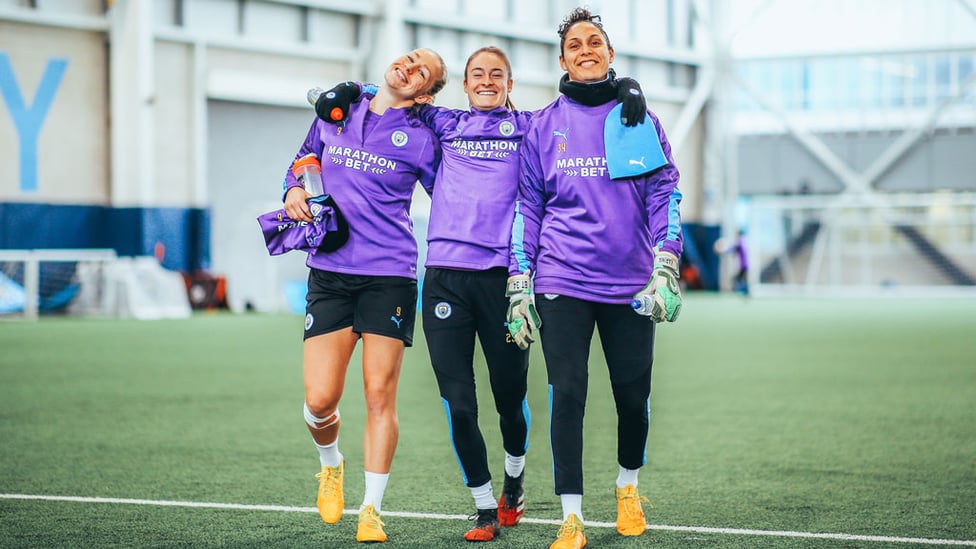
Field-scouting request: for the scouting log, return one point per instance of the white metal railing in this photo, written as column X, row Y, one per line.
column 863, row 248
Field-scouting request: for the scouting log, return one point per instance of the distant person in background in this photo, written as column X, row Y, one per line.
column 367, row 289
column 740, row 282
column 469, row 237
column 742, row 276
column 591, row 236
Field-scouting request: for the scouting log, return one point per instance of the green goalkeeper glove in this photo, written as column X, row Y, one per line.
column 523, row 319
column 662, row 288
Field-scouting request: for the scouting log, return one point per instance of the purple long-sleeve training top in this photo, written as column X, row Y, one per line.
column 371, row 171
column 472, row 207
column 581, row 233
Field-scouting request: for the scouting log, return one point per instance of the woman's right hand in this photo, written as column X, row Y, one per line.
column 296, row 204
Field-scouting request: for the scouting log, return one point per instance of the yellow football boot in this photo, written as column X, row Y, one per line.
column 370, row 525
column 570, row 534
column 330, row 500
column 630, row 514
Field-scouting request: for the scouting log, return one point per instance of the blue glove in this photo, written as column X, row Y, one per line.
column 634, row 107
column 662, row 289
column 523, row 320
column 333, row 105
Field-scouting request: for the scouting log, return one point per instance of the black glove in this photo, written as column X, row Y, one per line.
column 634, row 106
column 333, row 105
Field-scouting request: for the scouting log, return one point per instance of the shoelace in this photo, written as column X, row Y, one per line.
column 476, row 516
column 570, row 528
column 373, row 520
column 331, row 476
column 633, row 509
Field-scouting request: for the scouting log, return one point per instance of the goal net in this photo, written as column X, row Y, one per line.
column 862, row 246
column 88, row 283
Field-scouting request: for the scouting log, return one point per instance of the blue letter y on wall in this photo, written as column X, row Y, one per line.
column 28, row 121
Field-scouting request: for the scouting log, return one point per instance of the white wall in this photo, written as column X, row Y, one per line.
column 72, row 158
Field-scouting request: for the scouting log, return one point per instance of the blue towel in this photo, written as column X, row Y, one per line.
column 631, row 151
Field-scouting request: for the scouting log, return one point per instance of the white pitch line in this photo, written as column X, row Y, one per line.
column 438, row 516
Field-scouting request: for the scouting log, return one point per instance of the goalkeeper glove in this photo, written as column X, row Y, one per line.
column 634, row 107
column 662, row 289
column 333, row 105
column 523, row 319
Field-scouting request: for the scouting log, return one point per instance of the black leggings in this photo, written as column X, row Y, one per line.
column 628, row 345
column 456, row 306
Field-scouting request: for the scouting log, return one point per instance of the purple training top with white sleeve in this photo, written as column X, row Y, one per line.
column 472, row 210
column 371, row 170
column 581, row 233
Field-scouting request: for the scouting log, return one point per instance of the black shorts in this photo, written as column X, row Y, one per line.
column 381, row 305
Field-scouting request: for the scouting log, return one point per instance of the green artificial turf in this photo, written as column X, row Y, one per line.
column 803, row 416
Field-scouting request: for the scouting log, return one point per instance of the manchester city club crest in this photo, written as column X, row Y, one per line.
column 308, row 321
column 399, row 138
column 506, row 128
column 442, row 310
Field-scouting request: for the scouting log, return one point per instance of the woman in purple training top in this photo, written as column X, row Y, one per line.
column 367, row 289
column 469, row 238
column 466, row 268
column 591, row 243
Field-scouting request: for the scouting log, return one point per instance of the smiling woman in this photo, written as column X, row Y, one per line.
column 586, row 53
column 414, row 78
column 367, row 288
column 591, row 243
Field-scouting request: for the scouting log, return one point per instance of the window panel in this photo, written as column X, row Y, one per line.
column 273, row 22
column 534, row 13
column 919, row 82
column 943, row 77
column 73, row 7
column 165, row 13
column 446, row 7
column 212, row 17
column 530, row 59
column 617, row 21
column 651, row 21
column 333, row 29
column 965, row 71
column 484, row 11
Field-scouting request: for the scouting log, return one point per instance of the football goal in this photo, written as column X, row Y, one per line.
column 88, row 282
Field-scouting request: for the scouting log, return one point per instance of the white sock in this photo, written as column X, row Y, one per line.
column 483, row 497
column 626, row 477
column 375, row 487
column 329, row 455
column 514, row 465
column 572, row 505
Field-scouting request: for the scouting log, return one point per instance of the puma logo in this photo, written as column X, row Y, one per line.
column 637, row 163
column 557, row 133
column 396, row 320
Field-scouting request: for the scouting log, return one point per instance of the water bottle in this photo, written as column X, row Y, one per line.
column 308, row 171
column 313, row 95
column 643, row 304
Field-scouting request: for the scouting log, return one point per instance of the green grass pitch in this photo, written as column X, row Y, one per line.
column 772, row 420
